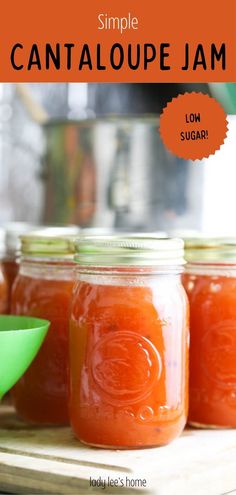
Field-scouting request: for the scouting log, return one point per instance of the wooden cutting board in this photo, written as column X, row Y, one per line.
column 51, row 461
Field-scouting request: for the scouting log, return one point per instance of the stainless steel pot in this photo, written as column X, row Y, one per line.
column 116, row 172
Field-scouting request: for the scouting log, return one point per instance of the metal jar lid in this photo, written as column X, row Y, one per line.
column 56, row 243
column 13, row 232
column 126, row 250
column 211, row 250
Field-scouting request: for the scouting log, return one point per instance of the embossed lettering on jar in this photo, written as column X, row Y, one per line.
column 210, row 282
column 128, row 342
column 43, row 288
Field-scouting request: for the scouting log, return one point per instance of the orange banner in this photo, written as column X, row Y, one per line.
column 119, row 41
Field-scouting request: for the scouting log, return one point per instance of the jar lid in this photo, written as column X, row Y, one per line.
column 210, row 250
column 50, row 242
column 13, row 231
column 120, row 250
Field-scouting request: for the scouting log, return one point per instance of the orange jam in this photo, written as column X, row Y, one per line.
column 128, row 350
column 10, row 270
column 10, row 267
column 43, row 288
column 210, row 282
column 213, row 349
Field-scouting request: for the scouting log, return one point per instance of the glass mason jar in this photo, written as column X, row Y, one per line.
column 43, row 289
column 128, row 342
column 210, row 282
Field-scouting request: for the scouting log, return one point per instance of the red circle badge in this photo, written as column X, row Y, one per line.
column 193, row 126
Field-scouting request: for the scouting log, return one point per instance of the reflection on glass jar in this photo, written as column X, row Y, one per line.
column 43, row 288
column 128, row 342
column 210, row 282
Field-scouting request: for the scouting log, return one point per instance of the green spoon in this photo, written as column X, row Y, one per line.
column 20, row 339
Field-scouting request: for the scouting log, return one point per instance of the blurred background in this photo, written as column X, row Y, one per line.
column 90, row 154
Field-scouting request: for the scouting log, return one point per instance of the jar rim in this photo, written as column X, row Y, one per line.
column 13, row 232
column 210, row 250
column 126, row 250
column 50, row 243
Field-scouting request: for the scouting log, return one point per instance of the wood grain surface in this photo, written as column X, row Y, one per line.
column 51, row 461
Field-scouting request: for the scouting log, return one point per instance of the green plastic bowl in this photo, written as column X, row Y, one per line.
column 20, row 339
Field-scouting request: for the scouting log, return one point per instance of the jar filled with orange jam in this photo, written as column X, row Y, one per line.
column 210, row 282
column 43, row 289
column 128, row 342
